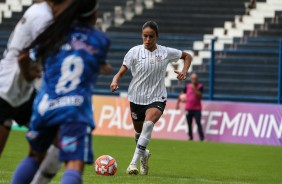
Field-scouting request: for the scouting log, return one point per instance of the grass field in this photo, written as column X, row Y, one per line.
column 177, row 162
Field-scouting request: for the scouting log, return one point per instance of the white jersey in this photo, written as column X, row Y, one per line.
column 148, row 70
column 13, row 88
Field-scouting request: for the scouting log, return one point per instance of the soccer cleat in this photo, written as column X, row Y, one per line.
column 132, row 169
column 144, row 163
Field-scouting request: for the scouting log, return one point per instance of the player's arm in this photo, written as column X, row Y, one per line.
column 30, row 70
column 179, row 100
column 114, row 85
column 187, row 59
column 198, row 92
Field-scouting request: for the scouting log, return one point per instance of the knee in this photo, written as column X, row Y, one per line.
column 154, row 117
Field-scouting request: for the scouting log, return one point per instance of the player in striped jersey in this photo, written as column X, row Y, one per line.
column 147, row 92
column 72, row 52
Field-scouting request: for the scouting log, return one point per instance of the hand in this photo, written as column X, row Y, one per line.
column 177, row 106
column 181, row 75
column 35, row 70
column 29, row 69
column 24, row 56
column 114, row 86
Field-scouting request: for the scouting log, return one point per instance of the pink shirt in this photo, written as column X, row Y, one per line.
column 193, row 102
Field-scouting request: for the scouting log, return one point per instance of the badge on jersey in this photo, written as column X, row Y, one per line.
column 158, row 58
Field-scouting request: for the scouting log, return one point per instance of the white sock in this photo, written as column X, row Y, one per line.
column 48, row 168
column 143, row 141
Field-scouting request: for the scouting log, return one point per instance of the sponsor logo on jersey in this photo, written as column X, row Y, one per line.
column 51, row 104
column 69, row 144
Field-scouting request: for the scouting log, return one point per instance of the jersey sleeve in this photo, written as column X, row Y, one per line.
column 128, row 59
column 37, row 22
column 173, row 54
column 39, row 26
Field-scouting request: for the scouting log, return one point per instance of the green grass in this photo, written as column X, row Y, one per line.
column 173, row 162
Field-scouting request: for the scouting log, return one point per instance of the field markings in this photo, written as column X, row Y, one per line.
column 185, row 179
column 192, row 179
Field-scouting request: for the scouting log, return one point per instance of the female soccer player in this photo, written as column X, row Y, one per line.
column 72, row 52
column 147, row 92
column 17, row 94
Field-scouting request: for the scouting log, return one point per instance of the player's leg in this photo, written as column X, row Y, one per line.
column 132, row 169
column 140, row 150
column 137, row 134
column 75, row 142
column 6, row 116
column 39, row 142
column 144, row 159
column 20, row 114
column 138, row 128
column 152, row 115
column 198, row 116
column 51, row 164
column 73, row 172
column 4, row 134
column 189, row 119
column 49, row 167
column 27, row 168
column 138, row 117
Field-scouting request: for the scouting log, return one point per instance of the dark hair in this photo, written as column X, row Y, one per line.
column 57, row 1
column 153, row 25
column 53, row 1
column 50, row 40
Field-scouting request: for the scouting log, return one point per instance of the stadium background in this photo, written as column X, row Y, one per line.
column 236, row 48
column 237, row 53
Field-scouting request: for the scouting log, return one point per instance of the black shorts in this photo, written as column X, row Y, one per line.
column 21, row 114
column 138, row 112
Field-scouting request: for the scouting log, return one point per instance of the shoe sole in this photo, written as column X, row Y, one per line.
column 131, row 172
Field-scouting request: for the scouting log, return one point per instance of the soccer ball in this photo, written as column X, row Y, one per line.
column 105, row 165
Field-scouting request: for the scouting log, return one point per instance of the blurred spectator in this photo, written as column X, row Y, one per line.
column 193, row 92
